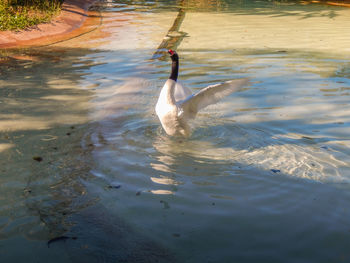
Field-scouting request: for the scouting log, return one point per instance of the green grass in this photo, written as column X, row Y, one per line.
column 21, row 14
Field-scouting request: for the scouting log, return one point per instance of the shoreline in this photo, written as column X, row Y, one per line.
column 74, row 20
column 344, row 3
column 69, row 23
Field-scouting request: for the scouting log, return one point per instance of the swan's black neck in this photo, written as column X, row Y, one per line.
column 174, row 67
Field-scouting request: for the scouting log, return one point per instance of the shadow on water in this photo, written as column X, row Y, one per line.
column 208, row 173
column 61, row 108
column 286, row 208
column 44, row 114
column 81, row 149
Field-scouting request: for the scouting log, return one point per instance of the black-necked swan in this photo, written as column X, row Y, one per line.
column 176, row 105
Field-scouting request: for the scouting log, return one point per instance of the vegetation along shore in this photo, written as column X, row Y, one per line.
column 21, row 14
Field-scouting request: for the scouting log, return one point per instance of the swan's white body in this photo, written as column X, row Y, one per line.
column 176, row 104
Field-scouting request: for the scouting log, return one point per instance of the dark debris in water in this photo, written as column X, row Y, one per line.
column 275, row 170
column 27, row 191
column 114, row 186
column 37, row 158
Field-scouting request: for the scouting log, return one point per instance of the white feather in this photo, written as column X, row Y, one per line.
column 176, row 105
column 210, row 95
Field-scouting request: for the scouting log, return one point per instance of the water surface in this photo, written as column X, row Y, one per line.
column 263, row 178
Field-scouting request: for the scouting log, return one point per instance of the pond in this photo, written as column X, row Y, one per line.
column 88, row 174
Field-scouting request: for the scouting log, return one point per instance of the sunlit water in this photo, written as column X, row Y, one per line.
column 263, row 178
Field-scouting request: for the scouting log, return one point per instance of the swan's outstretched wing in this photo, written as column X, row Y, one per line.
column 210, row 95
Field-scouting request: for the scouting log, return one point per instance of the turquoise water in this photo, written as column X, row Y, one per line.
column 263, row 178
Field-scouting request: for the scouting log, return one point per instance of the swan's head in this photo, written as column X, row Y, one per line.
column 173, row 55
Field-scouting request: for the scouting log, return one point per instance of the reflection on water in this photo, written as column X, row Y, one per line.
column 264, row 176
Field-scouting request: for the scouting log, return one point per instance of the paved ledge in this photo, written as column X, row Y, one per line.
column 67, row 25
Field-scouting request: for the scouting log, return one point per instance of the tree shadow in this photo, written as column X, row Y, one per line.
column 45, row 103
column 45, row 129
